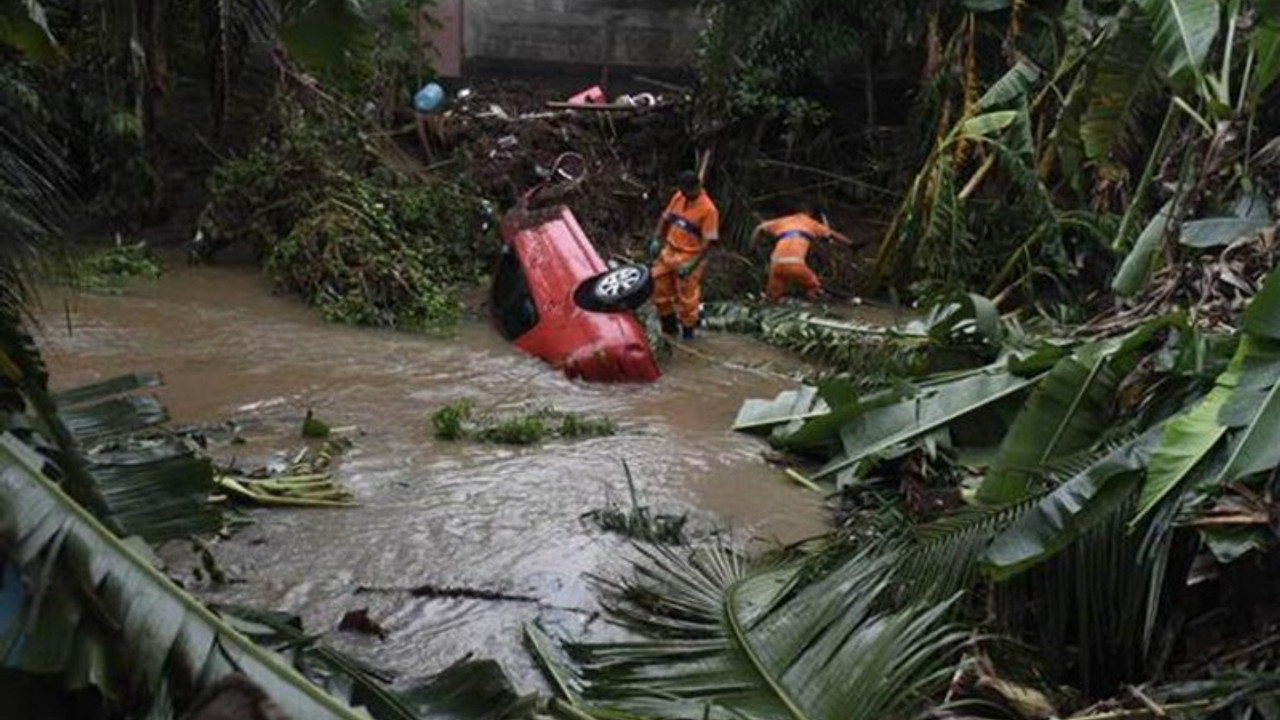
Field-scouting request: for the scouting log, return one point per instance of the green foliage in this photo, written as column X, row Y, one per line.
column 522, row 430
column 638, row 522
column 108, row 271
column 313, row 427
column 573, row 425
column 363, row 251
column 459, row 420
column 1084, row 140
column 448, row 420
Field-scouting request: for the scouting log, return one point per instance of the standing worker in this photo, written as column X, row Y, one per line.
column 794, row 234
column 685, row 232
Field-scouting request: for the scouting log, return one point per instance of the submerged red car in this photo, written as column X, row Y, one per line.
column 556, row 299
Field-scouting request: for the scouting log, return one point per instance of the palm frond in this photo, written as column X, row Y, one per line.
column 1093, row 609
column 33, row 201
column 943, row 557
column 764, row 648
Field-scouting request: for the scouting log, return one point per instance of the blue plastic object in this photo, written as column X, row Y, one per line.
column 429, row 98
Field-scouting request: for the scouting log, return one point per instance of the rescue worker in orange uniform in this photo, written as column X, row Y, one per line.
column 686, row 231
column 794, row 234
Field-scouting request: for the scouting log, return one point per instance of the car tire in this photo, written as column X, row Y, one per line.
column 626, row 287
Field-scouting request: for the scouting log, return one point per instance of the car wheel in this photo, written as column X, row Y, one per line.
column 622, row 288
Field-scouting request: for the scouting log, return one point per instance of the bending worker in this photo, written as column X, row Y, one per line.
column 685, row 232
column 794, row 234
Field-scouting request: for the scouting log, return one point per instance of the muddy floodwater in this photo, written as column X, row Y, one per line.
column 431, row 512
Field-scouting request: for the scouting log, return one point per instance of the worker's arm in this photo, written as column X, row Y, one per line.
column 841, row 238
column 664, row 223
column 756, row 235
column 664, row 220
column 710, row 236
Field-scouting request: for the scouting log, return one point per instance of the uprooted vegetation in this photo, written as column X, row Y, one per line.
column 335, row 223
column 639, row 522
column 462, row 420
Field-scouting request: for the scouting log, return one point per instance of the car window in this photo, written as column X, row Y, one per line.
column 511, row 299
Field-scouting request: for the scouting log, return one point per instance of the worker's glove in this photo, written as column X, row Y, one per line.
column 687, row 269
column 655, row 247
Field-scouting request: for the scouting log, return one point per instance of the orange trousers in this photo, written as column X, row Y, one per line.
column 783, row 275
column 672, row 293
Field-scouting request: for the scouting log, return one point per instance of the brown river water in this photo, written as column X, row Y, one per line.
column 431, row 512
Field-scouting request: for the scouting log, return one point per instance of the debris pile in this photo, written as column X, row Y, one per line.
column 1216, row 285
column 504, row 138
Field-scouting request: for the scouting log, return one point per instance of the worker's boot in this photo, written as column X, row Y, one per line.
column 669, row 324
column 686, row 333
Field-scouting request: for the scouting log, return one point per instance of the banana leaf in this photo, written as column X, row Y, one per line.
column 1215, row 232
column 1140, row 261
column 1266, row 47
column 1254, row 409
column 1011, row 88
column 156, row 487
column 788, row 406
column 1070, row 410
column 108, row 388
column 1262, row 317
column 987, row 124
column 1187, row 442
column 24, row 27
column 113, row 417
column 1071, row 510
column 752, row 646
column 1123, row 81
column 1184, row 33
column 99, row 614
column 932, row 407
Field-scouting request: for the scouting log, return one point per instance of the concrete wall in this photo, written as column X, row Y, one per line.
column 637, row 33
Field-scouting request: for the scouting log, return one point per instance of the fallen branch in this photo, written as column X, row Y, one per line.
column 663, row 85
column 595, row 106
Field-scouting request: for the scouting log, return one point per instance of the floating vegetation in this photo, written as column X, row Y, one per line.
column 307, row 481
column 639, row 522
column 313, row 427
column 108, row 271
column 460, row 420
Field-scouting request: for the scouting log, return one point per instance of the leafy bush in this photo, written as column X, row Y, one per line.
column 107, row 271
column 334, row 225
column 522, row 430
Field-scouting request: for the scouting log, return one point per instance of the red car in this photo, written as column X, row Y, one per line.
column 555, row 298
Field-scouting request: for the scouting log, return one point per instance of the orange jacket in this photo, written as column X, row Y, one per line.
column 794, row 233
column 692, row 223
